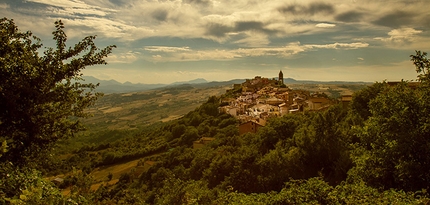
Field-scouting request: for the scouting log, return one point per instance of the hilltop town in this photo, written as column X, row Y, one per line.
column 256, row 100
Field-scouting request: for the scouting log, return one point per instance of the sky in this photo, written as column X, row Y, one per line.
column 167, row 41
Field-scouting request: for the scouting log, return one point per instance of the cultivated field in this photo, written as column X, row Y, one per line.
column 133, row 110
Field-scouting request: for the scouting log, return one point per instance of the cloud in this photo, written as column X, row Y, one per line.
column 346, row 46
column 116, row 2
column 128, row 57
column 82, row 12
column 217, row 30
column 106, row 28
column 69, row 7
column 166, row 53
column 254, row 39
column 82, row 19
column 64, row 3
column 232, row 32
column 4, row 6
column 325, row 25
column 396, row 19
column 217, row 20
column 164, row 18
column 252, row 26
column 350, row 16
column 311, row 9
column 400, row 36
column 248, row 25
column 156, row 58
column 166, row 49
column 222, row 31
column 199, row 2
column 160, row 14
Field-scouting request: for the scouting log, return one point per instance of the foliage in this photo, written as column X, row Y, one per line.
column 40, row 94
column 422, row 65
column 360, row 104
column 394, row 146
column 27, row 186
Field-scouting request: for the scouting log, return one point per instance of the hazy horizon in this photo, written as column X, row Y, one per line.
column 180, row 81
column 181, row 40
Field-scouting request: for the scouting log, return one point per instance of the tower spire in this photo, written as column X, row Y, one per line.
column 281, row 77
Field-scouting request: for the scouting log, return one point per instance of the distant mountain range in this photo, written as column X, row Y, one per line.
column 293, row 81
column 113, row 86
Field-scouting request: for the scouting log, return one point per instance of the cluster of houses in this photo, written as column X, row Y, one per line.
column 263, row 98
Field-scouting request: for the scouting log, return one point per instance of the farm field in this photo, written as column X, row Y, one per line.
column 133, row 110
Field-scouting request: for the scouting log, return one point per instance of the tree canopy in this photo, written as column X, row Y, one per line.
column 42, row 95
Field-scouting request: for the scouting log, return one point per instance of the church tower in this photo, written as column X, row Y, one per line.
column 281, row 77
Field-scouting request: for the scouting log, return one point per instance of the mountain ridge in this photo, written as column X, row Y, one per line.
column 113, row 86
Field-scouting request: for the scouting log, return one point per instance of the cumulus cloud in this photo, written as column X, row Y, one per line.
column 402, row 35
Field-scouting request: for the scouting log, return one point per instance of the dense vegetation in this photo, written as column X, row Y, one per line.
column 376, row 150
column 40, row 95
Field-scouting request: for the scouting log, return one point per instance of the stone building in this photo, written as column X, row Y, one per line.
column 250, row 126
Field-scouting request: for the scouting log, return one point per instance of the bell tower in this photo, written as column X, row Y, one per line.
column 281, row 77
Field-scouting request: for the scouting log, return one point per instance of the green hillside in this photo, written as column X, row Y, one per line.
column 316, row 158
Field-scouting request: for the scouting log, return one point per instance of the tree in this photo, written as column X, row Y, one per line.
column 361, row 99
column 42, row 97
column 321, row 147
column 394, row 148
column 422, row 65
column 394, row 141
